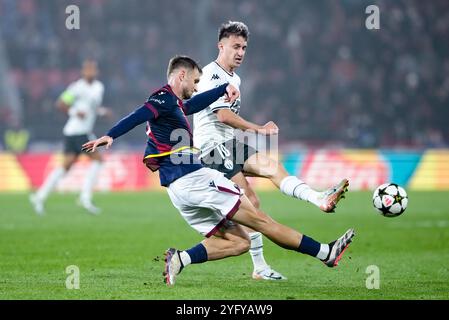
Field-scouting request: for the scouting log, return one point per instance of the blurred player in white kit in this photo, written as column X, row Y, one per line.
column 82, row 101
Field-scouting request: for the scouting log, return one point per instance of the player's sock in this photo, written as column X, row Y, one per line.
column 313, row 248
column 89, row 182
column 256, row 251
column 196, row 254
column 50, row 183
column 294, row 187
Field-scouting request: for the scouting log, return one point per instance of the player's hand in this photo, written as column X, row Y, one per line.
column 105, row 112
column 231, row 93
column 92, row 146
column 269, row 128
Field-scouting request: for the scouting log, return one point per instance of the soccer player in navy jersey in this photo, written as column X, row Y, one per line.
column 211, row 204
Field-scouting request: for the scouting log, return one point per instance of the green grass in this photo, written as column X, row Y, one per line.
column 119, row 253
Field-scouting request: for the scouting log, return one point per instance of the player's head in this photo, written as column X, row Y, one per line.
column 232, row 43
column 89, row 70
column 184, row 73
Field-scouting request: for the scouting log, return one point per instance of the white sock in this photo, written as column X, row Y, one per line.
column 185, row 258
column 89, row 182
column 50, row 183
column 324, row 251
column 256, row 251
column 294, row 187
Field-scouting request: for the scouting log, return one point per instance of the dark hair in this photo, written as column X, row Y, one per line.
column 235, row 28
column 182, row 61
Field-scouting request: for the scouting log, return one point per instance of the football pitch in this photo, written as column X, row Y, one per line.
column 120, row 252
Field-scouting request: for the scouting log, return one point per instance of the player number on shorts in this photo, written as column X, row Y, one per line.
column 224, row 153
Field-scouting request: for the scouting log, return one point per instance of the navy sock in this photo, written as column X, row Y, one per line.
column 309, row 246
column 198, row 253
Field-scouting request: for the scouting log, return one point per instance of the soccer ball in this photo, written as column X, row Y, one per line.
column 390, row 200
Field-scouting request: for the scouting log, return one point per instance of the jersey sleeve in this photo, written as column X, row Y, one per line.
column 211, row 80
column 139, row 116
column 160, row 103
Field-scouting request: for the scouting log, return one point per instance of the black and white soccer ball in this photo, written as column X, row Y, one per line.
column 390, row 200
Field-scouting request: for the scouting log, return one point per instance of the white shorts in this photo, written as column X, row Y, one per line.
column 206, row 200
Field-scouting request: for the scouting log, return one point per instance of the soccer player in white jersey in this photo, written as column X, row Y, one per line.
column 214, row 135
column 82, row 101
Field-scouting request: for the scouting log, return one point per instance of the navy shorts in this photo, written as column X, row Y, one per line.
column 73, row 144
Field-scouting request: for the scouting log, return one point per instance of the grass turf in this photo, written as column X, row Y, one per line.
column 120, row 252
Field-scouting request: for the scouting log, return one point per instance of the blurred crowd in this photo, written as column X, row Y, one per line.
column 311, row 66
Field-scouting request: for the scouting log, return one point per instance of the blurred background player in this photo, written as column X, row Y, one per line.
column 214, row 135
column 82, row 102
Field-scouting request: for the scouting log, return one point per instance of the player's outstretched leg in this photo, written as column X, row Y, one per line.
column 261, row 165
column 290, row 239
column 218, row 248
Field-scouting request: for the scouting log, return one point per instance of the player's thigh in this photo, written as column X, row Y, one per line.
column 69, row 160
column 243, row 183
column 261, row 165
column 251, row 217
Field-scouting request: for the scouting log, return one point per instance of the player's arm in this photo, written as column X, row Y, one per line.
column 139, row 116
column 228, row 117
column 203, row 100
column 65, row 101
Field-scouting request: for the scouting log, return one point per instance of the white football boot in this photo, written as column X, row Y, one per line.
column 268, row 274
column 89, row 206
column 38, row 204
column 338, row 247
column 332, row 196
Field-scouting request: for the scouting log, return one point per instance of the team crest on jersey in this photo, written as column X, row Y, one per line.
column 228, row 164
